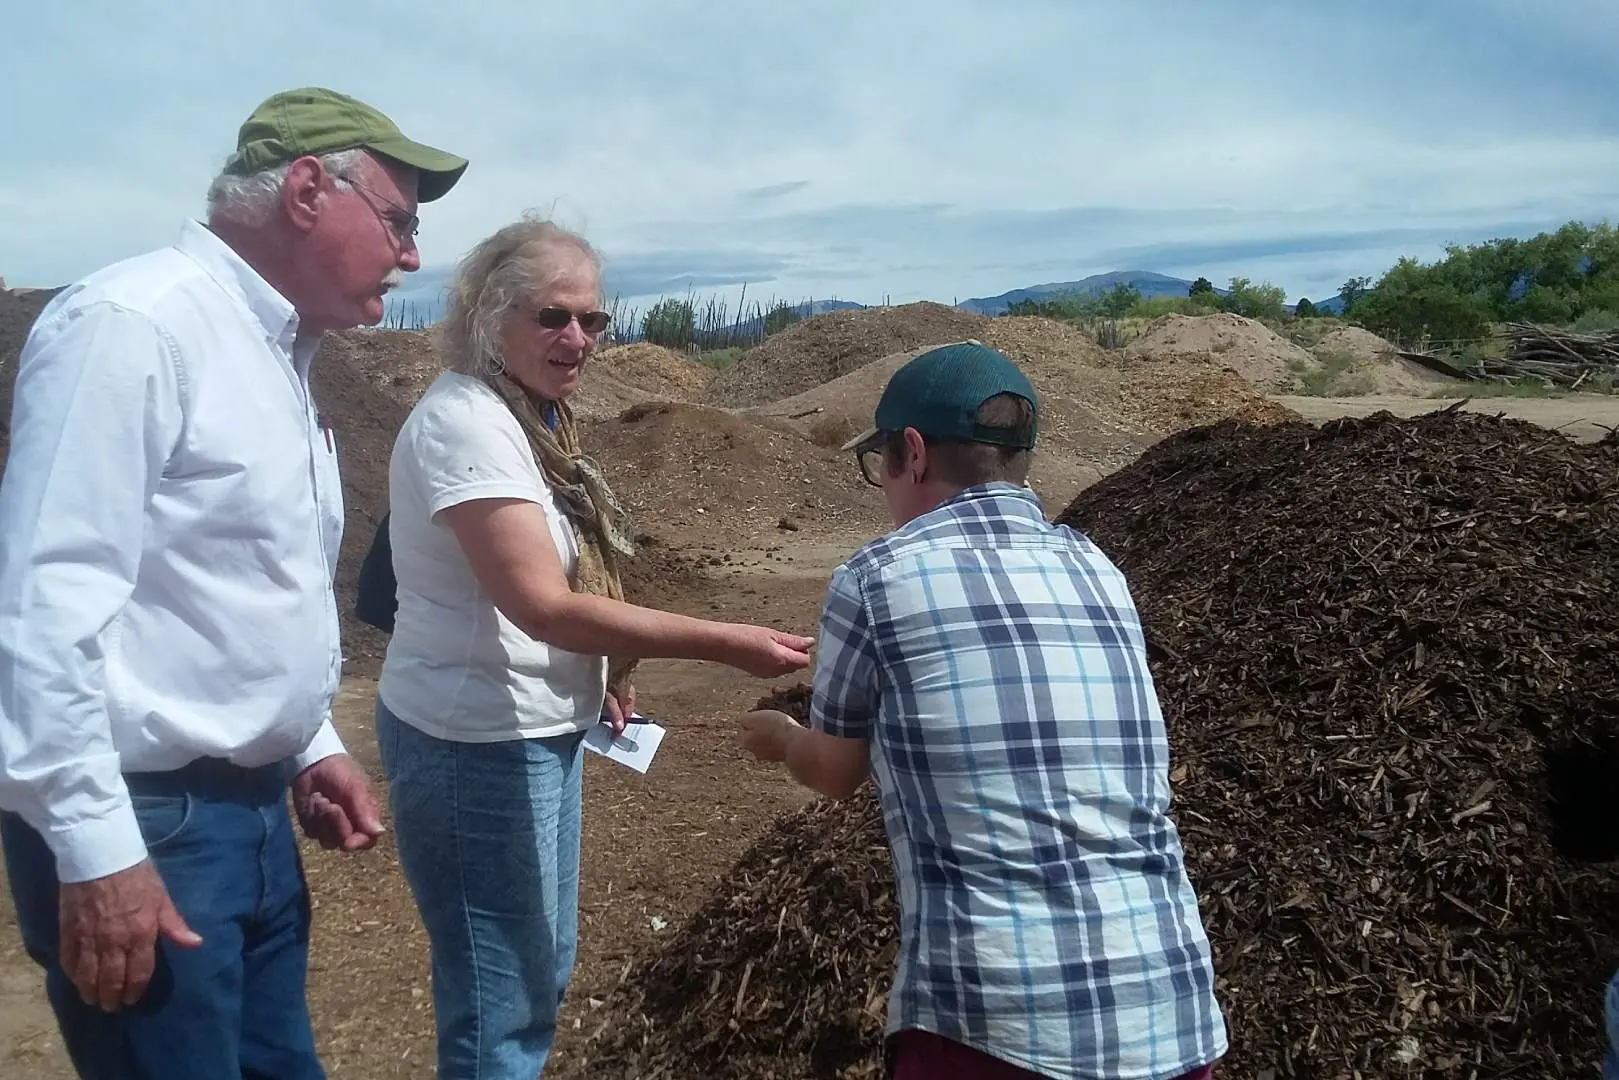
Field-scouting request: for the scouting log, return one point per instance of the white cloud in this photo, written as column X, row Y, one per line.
column 940, row 148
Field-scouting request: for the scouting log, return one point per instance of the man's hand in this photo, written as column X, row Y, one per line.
column 109, row 934
column 617, row 709
column 764, row 734
column 335, row 805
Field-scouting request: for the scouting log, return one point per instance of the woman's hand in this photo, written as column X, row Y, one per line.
column 766, row 653
column 618, row 708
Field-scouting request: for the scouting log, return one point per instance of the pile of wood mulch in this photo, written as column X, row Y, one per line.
column 784, row 972
column 820, row 349
column 1386, row 653
column 1386, row 649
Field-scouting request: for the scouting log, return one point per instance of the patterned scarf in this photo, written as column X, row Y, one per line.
column 601, row 527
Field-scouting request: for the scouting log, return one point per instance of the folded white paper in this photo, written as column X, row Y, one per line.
column 633, row 748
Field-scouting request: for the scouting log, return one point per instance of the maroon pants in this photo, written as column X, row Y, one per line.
column 922, row 1055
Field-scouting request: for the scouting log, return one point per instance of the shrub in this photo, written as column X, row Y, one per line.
column 670, row 323
column 719, row 359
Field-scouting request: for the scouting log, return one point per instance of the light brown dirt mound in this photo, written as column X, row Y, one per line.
column 1094, row 419
column 1027, row 339
column 819, row 350
column 1162, row 398
column 695, row 476
column 1247, row 347
column 660, row 371
column 1365, row 346
column 602, row 395
column 18, row 310
column 398, row 364
column 1372, row 365
column 365, row 422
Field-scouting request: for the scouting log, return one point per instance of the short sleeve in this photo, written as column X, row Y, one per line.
column 845, row 693
column 465, row 448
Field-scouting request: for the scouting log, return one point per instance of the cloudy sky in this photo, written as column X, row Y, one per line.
column 866, row 150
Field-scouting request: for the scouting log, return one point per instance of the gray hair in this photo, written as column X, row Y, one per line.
column 251, row 200
column 499, row 273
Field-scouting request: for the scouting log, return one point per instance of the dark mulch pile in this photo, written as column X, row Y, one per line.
column 784, row 972
column 1386, row 652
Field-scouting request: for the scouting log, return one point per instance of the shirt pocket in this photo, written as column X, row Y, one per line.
column 329, row 496
column 163, row 819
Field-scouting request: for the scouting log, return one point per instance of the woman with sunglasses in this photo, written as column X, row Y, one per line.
column 511, row 639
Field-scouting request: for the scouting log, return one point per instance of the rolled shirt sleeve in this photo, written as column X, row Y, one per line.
column 96, row 417
column 844, row 694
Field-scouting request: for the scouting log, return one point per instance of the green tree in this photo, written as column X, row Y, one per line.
column 780, row 317
column 1118, row 302
column 1553, row 277
column 670, row 323
column 1252, row 301
column 1061, row 308
column 1304, row 309
column 1352, row 290
column 1411, row 303
column 1544, row 304
column 1201, row 287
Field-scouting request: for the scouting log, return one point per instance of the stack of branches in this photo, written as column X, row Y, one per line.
column 1559, row 357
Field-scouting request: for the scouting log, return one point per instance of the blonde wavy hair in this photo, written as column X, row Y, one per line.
column 503, row 271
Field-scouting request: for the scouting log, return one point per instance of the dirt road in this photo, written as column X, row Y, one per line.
column 1586, row 417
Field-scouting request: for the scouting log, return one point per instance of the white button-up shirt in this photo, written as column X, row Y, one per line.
column 170, row 517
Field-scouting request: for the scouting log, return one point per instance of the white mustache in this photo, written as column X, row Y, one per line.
column 393, row 280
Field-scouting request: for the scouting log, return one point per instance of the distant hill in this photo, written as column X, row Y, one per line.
column 1146, row 282
column 808, row 309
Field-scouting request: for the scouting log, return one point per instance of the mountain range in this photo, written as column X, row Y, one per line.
column 1147, row 283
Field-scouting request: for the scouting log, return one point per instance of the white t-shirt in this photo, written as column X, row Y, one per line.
column 456, row 667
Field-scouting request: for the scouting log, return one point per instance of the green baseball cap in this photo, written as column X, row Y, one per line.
column 314, row 120
column 939, row 393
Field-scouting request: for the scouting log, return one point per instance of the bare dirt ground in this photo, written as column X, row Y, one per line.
column 1586, row 417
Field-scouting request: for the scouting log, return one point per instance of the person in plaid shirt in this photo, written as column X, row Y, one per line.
column 988, row 670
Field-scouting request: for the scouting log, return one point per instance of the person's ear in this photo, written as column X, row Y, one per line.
column 303, row 191
column 916, row 455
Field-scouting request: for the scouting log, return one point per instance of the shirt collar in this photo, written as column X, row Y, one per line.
column 272, row 310
column 999, row 489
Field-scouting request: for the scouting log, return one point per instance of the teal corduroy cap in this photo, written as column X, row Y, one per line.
column 939, row 393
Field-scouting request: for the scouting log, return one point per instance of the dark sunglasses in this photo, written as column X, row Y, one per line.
column 556, row 318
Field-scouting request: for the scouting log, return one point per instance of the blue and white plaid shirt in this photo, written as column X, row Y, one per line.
column 998, row 667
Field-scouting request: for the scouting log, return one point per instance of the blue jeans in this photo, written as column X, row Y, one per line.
column 488, row 837
column 221, row 839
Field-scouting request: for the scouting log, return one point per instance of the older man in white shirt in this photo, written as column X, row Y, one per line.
column 169, row 525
